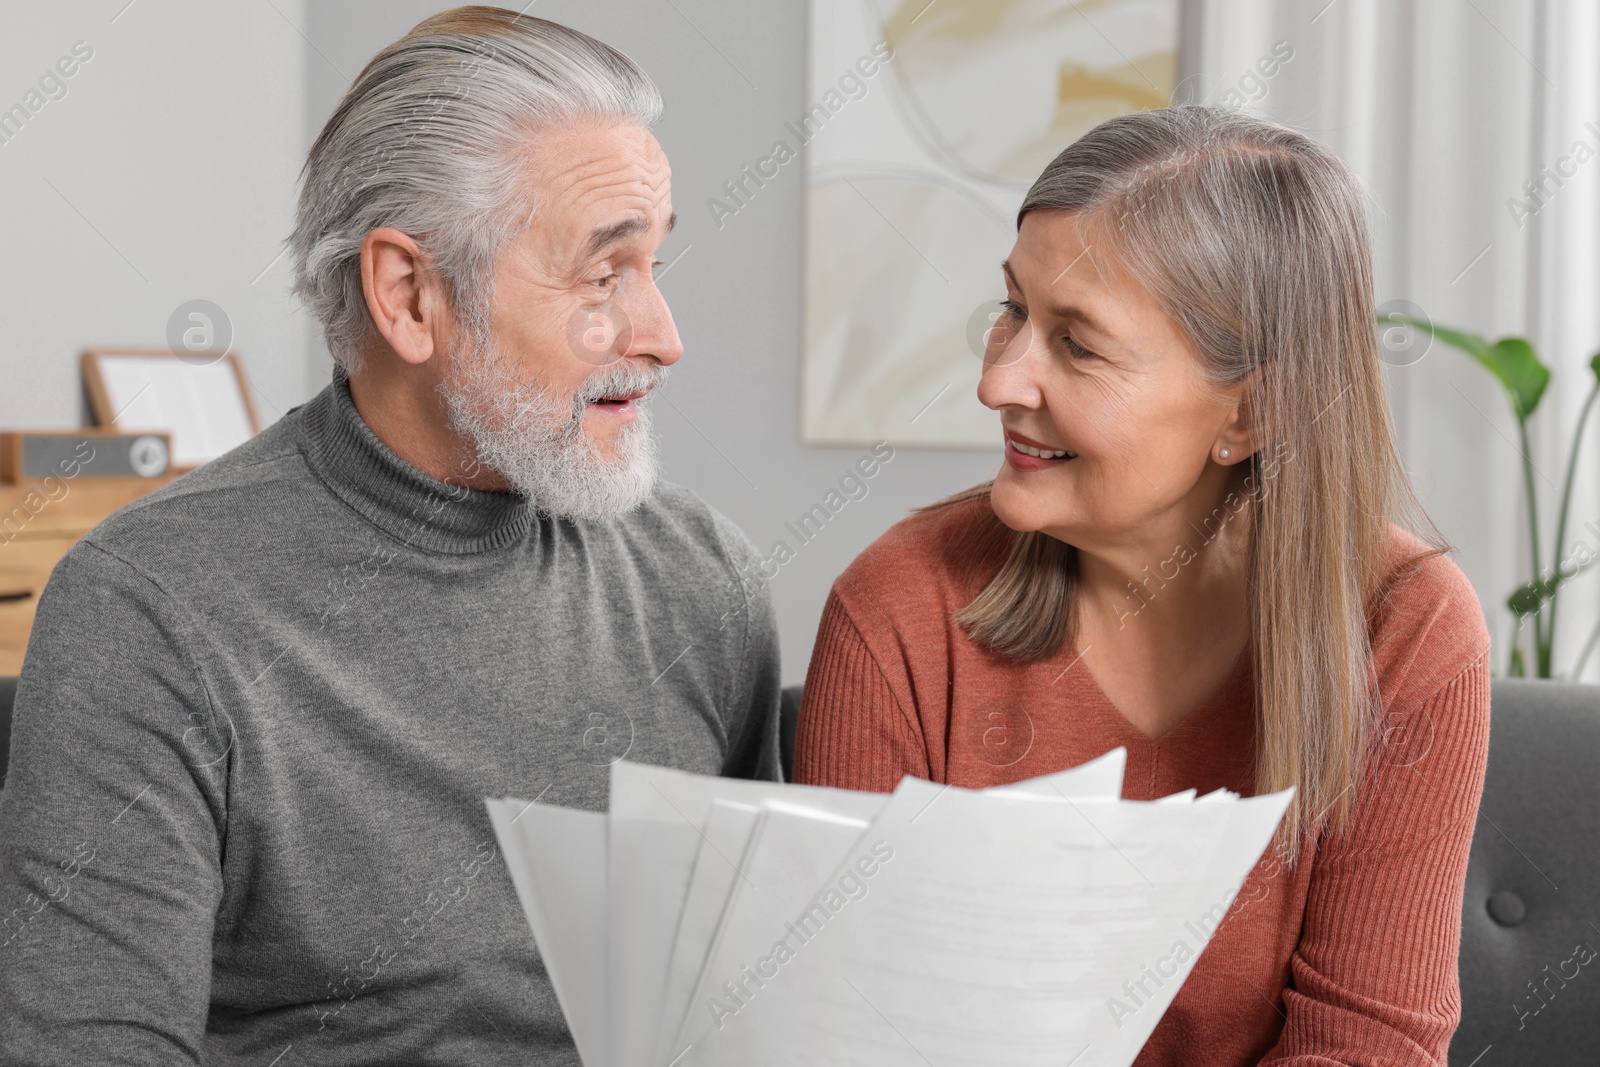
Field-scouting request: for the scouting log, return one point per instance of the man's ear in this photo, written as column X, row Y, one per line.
column 402, row 292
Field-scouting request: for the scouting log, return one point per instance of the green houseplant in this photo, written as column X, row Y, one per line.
column 1534, row 603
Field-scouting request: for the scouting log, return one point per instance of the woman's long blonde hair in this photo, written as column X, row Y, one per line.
column 1254, row 240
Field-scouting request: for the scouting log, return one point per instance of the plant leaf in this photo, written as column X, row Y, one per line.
column 1594, row 365
column 1548, row 587
column 1519, row 367
column 1511, row 359
column 1528, row 599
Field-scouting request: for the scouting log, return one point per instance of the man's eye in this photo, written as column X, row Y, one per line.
column 606, row 282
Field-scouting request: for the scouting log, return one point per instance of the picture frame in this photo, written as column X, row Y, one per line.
column 202, row 399
column 912, row 183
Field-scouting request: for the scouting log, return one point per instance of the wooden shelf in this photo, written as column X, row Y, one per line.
column 39, row 522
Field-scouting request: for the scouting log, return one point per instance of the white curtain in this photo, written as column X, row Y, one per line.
column 1447, row 109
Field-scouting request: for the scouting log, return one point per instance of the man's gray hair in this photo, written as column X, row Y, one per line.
column 430, row 140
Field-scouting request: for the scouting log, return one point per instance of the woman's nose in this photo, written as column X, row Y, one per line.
column 1010, row 371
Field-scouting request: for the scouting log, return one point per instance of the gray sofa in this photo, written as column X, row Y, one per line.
column 1532, row 911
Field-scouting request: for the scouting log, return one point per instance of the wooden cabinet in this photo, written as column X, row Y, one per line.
column 39, row 521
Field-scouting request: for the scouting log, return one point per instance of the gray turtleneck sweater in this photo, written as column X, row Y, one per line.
column 244, row 817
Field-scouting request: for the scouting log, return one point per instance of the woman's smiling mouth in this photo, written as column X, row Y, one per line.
column 1026, row 454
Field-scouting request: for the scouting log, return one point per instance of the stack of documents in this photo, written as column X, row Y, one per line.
column 712, row 922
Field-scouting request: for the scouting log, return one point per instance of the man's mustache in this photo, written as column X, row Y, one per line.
column 620, row 379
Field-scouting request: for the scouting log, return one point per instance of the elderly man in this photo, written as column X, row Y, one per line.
column 262, row 707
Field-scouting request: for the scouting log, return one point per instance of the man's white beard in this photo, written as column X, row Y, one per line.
column 534, row 438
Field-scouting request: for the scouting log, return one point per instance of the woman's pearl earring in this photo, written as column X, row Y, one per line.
column 1224, row 453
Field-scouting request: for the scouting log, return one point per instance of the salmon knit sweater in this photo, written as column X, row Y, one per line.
column 1349, row 957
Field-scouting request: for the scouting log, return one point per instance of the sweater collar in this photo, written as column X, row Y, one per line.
column 393, row 495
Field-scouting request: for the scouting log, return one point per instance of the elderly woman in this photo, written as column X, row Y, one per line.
column 1199, row 548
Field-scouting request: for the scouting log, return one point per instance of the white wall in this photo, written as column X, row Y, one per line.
column 165, row 174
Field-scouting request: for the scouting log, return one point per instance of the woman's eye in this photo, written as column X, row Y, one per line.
column 1075, row 348
column 1010, row 309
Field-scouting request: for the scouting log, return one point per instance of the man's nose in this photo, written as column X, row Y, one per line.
column 655, row 335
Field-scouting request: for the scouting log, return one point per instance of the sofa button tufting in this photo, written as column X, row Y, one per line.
column 1506, row 908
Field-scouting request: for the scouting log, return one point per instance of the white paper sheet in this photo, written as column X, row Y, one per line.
column 1030, row 923
column 557, row 860
column 791, row 853
column 718, row 863
column 656, row 819
column 996, row 930
column 795, row 848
